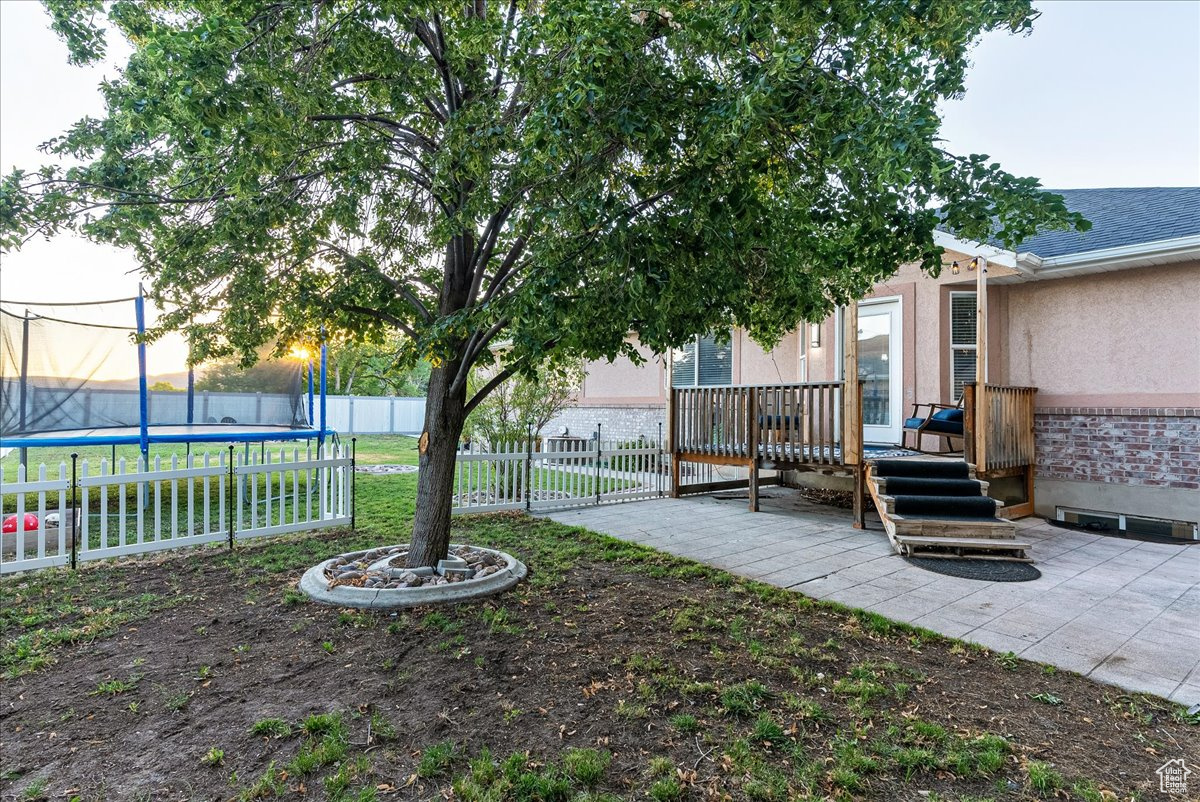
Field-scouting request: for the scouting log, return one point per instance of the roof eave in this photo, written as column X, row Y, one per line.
column 1142, row 254
column 993, row 254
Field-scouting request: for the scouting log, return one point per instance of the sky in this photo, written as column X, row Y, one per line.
column 1101, row 94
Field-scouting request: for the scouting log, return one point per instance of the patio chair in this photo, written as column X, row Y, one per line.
column 781, row 419
column 942, row 420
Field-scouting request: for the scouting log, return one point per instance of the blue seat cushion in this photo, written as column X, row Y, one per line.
column 913, row 423
column 946, row 421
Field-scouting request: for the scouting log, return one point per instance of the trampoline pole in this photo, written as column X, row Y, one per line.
column 24, row 386
column 143, row 391
column 139, row 308
column 191, row 401
column 324, row 387
column 311, row 415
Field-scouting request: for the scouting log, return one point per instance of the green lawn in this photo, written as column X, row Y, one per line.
column 613, row 672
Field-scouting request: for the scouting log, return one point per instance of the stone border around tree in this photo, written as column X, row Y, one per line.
column 315, row 585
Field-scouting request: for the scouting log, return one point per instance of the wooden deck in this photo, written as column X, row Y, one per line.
column 799, row 426
column 817, row 426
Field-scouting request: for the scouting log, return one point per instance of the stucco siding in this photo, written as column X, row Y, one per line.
column 1125, row 339
column 623, row 382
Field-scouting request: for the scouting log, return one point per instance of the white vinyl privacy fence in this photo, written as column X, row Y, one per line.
column 92, row 509
column 359, row 414
column 557, row 474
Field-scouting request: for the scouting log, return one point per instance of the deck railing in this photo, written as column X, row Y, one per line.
column 792, row 423
column 999, row 426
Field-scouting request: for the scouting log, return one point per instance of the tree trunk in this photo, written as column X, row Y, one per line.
column 444, row 419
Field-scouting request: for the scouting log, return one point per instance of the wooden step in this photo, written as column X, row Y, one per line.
column 937, row 527
column 881, row 484
column 889, row 502
column 989, row 543
column 962, row 547
column 979, row 538
column 927, row 551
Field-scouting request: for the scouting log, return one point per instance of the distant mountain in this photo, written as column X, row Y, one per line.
column 177, row 380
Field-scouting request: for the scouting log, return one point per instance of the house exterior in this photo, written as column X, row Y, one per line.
column 1105, row 324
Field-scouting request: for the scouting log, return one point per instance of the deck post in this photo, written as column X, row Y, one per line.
column 672, row 433
column 860, row 475
column 1031, row 468
column 969, row 422
column 860, row 502
column 852, row 413
column 753, row 428
column 851, row 396
column 982, row 401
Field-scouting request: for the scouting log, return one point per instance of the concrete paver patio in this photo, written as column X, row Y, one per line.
column 1119, row 611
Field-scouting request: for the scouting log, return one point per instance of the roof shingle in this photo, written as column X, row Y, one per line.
column 1121, row 216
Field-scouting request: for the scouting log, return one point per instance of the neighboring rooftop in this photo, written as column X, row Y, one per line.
column 1121, row 216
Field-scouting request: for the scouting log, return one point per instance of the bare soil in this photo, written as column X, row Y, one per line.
column 605, row 647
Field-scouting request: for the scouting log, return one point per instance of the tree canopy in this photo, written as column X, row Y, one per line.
column 590, row 167
column 548, row 177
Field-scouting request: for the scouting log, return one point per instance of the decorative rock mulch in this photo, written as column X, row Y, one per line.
column 385, row 469
column 385, row 568
column 379, row 579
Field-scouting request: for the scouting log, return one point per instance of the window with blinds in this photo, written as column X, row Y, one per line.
column 962, row 340
column 702, row 362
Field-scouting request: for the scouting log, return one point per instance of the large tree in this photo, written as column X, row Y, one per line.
column 547, row 175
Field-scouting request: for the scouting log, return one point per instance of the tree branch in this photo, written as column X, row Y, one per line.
column 397, row 286
column 479, row 340
column 483, row 392
column 379, row 313
column 499, row 379
column 409, row 134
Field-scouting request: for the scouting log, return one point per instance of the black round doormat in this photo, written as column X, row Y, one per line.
column 984, row 570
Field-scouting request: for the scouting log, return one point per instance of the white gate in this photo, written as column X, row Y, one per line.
column 558, row 474
column 129, row 507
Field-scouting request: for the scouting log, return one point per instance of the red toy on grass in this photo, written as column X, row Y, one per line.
column 10, row 523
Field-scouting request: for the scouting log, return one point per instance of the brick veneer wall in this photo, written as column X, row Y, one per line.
column 617, row 423
column 1140, row 446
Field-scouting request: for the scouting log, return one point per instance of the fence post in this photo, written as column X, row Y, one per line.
column 350, row 414
column 658, row 472
column 353, row 480
column 528, row 467
column 598, row 463
column 74, row 518
column 230, row 496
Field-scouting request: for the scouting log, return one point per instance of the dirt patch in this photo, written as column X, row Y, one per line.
column 737, row 691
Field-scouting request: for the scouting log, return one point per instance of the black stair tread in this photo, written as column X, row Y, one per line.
column 964, row 500
column 944, row 505
column 921, row 468
column 925, row 486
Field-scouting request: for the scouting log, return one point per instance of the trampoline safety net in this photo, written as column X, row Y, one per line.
column 66, row 368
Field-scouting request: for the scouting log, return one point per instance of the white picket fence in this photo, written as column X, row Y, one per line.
column 129, row 507
column 521, row 476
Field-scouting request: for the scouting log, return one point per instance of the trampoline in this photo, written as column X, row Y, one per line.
column 79, row 374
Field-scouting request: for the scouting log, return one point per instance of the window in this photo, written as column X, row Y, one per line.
column 963, row 314
column 702, row 362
